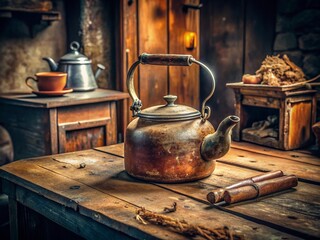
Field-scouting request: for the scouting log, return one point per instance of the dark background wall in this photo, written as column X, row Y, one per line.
column 297, row 33
column 235, row 36
column 23, row 43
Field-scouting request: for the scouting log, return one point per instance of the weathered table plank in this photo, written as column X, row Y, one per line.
column 94, row 184
column 224, row 174
column 141, row 193
column 104, row 174
column 261, row 159
column 301, row 208
column 295, row 218
column 304, row 171
column 62, row 190
column 291, row 155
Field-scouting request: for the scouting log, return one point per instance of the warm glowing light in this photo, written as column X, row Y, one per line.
column 190, row 40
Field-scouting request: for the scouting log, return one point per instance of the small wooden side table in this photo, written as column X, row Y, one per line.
column 50, row 125
column 294, row 106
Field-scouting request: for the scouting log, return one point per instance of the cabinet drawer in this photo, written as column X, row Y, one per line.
column 86, row 126
column 83, row 112
column 269, row 102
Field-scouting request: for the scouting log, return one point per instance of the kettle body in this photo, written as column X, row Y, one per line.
column 173, row 143
column 80, row 76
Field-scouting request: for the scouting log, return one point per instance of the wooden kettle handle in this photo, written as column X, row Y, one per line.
column 166, row 59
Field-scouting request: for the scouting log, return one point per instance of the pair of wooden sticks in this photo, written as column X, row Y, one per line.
column 253, row 187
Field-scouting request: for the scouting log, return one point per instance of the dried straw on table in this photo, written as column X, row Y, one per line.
column 183, row 227
column 278, row 71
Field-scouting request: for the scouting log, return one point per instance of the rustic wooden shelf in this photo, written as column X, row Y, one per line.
column 30, row 17
column 25, row 14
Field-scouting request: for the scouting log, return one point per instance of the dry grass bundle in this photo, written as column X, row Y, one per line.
column 278, row 71
column 183, row 227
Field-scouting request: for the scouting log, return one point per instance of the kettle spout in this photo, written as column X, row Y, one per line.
column 99, row 70
column 216, row 145
column 52, row 64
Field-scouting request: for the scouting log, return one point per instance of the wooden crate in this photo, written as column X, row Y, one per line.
column 294, row 106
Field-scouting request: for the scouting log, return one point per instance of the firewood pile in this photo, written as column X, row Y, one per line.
column 264, row 128
column 276, row 71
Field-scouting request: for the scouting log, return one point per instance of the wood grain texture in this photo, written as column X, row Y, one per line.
column 222, row 36
column 30, row 100
column 53, row 132
column 109, row 196
column 238, row 165
column 28, row 129
column 63, row 223
column 153, row 38
column 83, row 112
column 184, row 82
column 300, row 120
column 129, row 50
column 261, row 101
column 158, row 27
column 295, row 110
column 305, row 157
column 265, row 163
column 259, row 34
column 83, row 135
column 44, row 126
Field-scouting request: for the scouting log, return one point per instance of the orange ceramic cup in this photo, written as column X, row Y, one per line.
column 48, row 81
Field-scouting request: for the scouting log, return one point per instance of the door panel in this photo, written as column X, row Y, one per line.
column 184, row 81
column 158, row 26
column 153, row 38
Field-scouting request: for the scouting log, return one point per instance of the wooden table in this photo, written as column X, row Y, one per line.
column 49, row 125
column 90, row 195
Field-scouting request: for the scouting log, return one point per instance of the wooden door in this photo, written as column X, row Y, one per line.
column 158, row 27
column 235, row 38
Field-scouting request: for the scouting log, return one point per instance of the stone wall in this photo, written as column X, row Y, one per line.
column 98, row 38
column 90, row 22
column 297, row 33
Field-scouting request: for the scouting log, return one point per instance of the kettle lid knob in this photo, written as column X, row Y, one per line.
column 170, row 99
column 74, row 46
column 74, row 57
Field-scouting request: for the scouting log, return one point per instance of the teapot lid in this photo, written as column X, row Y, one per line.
column 170, row 111
column 74, row 57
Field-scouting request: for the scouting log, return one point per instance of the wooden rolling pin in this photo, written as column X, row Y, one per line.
column 217, row 195
column 259, row 189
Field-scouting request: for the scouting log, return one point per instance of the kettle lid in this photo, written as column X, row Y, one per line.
column 74, row 56
column 170, row 111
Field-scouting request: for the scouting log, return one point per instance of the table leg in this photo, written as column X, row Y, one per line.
column 13, row 213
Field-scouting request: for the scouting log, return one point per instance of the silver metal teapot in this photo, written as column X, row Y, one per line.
column 78, row 67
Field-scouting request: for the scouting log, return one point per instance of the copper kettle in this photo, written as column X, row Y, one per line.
column 173, row 143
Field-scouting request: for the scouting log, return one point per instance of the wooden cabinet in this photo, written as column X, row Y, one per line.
column 294, row 109
column 76, row 121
